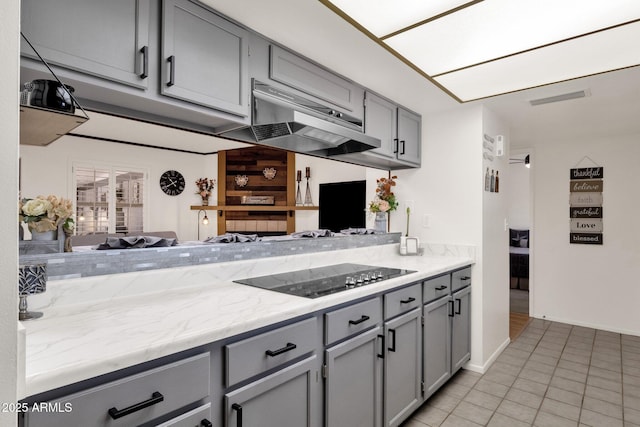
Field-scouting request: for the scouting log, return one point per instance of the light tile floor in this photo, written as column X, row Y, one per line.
column 552, row 375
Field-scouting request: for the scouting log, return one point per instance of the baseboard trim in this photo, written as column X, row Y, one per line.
column 482, row 369
column 588, row 325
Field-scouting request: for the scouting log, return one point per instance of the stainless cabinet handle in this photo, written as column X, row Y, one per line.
column 172, row 70
column 145, row 62
column 156, row 397
column 290, row 346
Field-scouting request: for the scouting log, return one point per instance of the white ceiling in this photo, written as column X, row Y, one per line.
column 485, row 48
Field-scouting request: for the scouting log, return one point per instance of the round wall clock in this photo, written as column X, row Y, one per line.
column 172, row 182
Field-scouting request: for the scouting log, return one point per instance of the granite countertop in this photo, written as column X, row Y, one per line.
column 97, row 325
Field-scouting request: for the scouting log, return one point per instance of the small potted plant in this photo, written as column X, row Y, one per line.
column 384, row 202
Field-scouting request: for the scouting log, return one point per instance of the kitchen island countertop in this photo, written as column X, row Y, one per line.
column 93, row 326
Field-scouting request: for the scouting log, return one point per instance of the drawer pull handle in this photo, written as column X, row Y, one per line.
column 364, row 318
column 441, row 288
column 156, row 397
column 407, row 301
column 465, row 278
column 238, row 409
column 290, row 346
column 145, row 62
column 172, row 70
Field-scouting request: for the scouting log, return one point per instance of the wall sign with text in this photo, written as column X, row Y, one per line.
column 585, row 205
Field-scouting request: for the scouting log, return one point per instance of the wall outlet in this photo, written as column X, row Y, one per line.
column 426, row 221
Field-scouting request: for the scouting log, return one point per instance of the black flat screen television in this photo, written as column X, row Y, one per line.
column 342, row 205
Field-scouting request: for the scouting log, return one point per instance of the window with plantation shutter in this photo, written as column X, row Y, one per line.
column 109, row 200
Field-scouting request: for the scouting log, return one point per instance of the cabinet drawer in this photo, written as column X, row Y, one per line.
column 179, row 384
column 435, row 288
column 460, row 279
column 402, row 300
column 197, row 417
column 252, row 356
column 350, row 320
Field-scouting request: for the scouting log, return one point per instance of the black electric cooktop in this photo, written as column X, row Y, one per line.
column 321, row 281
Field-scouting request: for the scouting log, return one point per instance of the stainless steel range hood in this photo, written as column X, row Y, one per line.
column 288, row 121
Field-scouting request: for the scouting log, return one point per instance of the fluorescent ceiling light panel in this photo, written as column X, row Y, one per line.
column 497, row 28
column 498, row 46
column 382, row 17
column 564, row 61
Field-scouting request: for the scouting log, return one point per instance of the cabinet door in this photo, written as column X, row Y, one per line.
column 353, row 388
column 402, row 367
column 380, row 122
column 461, row 329
column 436, row 344
column 108, row 39
column 204, row 58
column 409, row 139
column 298, row 73
column 285, row 398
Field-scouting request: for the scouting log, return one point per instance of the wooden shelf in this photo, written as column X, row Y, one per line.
column 40, row 126
column 263, row 208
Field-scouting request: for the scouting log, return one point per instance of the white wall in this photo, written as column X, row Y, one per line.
column 517, row 187
column 9, row 83
column 587, row 285
column 495, row 248
column 47, row 170
column 448, row 188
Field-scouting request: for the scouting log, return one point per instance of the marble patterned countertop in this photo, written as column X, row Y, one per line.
column 95, row 325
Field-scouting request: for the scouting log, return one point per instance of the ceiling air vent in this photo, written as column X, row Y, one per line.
column 558, row 98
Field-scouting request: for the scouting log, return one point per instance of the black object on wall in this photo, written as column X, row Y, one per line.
column 342, row 205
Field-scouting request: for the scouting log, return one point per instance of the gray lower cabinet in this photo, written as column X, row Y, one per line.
column 108, row 39
column 461, row 329
column 353, row 384
column 284, row 398
column 134, row 400
column 436, row 344
column 402, row 366
column 204, row 58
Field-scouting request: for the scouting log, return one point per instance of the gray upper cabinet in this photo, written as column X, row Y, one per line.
column 309, row 78
column 204, row 58
column 380, row 121
column 409, row 140
column 399, row 131
column 108, row 39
